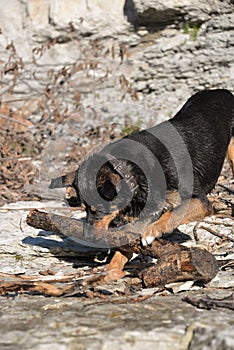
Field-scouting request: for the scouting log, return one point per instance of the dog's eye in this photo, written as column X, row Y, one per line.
column 107, row 191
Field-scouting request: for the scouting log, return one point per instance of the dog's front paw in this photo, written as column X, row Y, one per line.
column 150, row 234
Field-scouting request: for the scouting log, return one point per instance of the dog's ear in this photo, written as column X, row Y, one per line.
column 63, row 181
column 107, row 190
column 69, row 181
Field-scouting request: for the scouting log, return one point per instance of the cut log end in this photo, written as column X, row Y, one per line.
column 181, row 265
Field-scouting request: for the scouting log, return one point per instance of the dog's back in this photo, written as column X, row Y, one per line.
column 205, row 124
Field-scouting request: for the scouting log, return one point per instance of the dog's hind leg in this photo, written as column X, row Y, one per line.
column 230, row 154
column 187, row 211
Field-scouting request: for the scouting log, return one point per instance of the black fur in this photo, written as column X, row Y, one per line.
column 199, row 133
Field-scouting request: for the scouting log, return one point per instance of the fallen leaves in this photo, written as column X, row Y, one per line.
column 48, row 283
column 46, row 289
column 45, row 284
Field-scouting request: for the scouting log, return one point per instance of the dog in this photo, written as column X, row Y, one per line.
column 173, row 165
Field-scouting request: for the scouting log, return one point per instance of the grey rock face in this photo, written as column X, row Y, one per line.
column 158, row 14
column 170, row 50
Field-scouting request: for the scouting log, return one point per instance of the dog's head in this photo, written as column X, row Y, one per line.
column 115, row 190
column 114, row 193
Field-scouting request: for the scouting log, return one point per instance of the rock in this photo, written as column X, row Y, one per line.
column 12, row 19
column 158, row 14
column 30, row 21
column 164, row 67
column 38, row 13
column 222, row 280
column 202, row 336
column 87, row 16
column 179, row 286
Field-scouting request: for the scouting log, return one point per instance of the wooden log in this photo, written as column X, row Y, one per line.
column 124, row 240
column 79, row 231
column 181, row 265
column 175, row 262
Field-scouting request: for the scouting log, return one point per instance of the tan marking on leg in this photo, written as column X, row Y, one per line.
column 188, row 211
column 106, row 220
column 173, row 199
column 70, row 192
column 117, row 262
column 230, row 154
column 114, row 270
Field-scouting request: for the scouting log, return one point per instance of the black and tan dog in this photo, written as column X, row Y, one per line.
column 176, row 162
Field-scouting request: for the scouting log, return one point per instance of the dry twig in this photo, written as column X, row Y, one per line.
column 217, row 234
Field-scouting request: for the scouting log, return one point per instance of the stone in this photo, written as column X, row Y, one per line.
column 86, row 16
column 63, row 12
column 222, row 280
column 180, row 286
column 159, row 14
column 11, row 17
column 38, row 13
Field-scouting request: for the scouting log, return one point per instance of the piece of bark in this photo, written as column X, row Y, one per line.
column 175, row 262
column 34, row 288
column 181, row 265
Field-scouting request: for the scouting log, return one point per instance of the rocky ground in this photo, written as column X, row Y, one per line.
column 115, row 314
column 67, row 88
column 39, row 310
